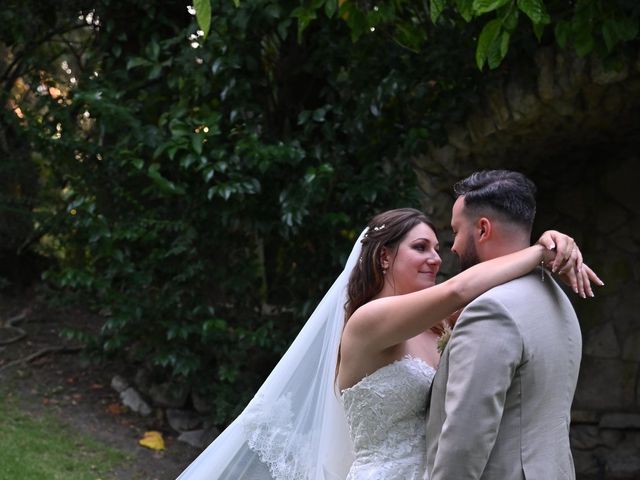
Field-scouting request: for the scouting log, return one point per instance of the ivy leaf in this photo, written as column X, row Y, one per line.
column 305, row 16
column 435, row 9
column 410, row 36
column 465, row 8
column 196, row 143
column 134, row 62
column 303, row 116
column 486, row 6
column 330, row 8
column 488, row 36
column 166, row 186
column 504, row 45
column 561, row 32
column 203, row 15
column 609, row 34
column 583, row 42
column 538, row 30
column 535, row 10
column 510, row 20
column 626, row 28
column 319, row 114
column 498, row 50
column 356, row 20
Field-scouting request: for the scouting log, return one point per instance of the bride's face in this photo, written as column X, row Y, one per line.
column 416, row 262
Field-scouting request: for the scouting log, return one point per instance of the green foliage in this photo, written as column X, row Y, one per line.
column 586, row 25
column 202, row 194
column 603, row 26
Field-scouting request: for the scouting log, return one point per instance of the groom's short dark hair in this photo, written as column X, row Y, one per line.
column 508, row 194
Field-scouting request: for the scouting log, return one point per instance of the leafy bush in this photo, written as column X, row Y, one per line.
column 208, row 196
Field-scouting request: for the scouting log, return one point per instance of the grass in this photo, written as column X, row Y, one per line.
column 34, row 447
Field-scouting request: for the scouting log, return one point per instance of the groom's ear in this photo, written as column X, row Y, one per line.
column 484, row 229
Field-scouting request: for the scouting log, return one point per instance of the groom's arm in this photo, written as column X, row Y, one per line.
column 484, row 352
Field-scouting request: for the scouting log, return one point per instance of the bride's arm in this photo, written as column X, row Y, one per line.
column 388, row 321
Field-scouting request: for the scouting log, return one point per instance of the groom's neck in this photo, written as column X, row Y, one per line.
column 503, row 243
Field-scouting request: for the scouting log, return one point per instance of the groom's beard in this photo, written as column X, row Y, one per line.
column 469, row 257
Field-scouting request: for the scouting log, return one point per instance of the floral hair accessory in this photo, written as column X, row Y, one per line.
column 375, row 229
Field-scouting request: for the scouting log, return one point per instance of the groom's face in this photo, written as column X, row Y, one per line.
column 464, row 242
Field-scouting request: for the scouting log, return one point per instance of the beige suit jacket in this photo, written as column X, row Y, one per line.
column 499, row 407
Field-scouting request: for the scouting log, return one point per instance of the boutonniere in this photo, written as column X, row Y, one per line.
column 443, row 339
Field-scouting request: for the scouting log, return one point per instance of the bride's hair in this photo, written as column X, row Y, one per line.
column 386, row 229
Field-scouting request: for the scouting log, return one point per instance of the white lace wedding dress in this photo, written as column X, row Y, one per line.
column 386, row 416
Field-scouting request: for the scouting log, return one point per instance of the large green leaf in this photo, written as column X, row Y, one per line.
column 305, row 16
column 203, row 15
column 465, row 9
column 535, row 10
column 330, row 8
column 487, row 39
column 165, row 185
column 584, row 42
column 510, row 20
column 485, row 6
column 435, row 9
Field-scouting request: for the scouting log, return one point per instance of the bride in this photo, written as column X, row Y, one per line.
column 348, row 400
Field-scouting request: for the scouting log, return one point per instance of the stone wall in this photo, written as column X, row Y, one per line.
column 574, row 128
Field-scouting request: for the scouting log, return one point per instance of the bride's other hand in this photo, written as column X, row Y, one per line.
column 562, row 251
column 565, row 258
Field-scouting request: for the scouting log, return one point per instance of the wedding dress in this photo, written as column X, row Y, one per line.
column 386, row 417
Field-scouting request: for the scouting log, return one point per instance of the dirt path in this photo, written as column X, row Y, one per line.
column 66, row 385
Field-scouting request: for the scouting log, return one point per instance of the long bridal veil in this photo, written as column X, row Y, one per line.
column 294, row 428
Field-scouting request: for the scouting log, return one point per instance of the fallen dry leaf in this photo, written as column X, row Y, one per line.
column 115, row 409
column 152, row 440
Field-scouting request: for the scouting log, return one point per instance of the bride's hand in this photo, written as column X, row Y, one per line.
column 562, row 256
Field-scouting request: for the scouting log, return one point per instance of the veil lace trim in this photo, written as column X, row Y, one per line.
column 270, row 433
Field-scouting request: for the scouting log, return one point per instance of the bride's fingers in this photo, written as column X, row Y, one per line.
column 591, row 275
column 588, row 278
column 546, row 240
column 582, row 288
column 572, row 262
column 579, row 261
column 587, row 284
column 564, row 249
column 570, row 278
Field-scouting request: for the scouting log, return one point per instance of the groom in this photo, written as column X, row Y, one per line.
column 500, row 401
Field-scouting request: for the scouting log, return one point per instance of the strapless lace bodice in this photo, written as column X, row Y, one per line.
column 386, row 416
